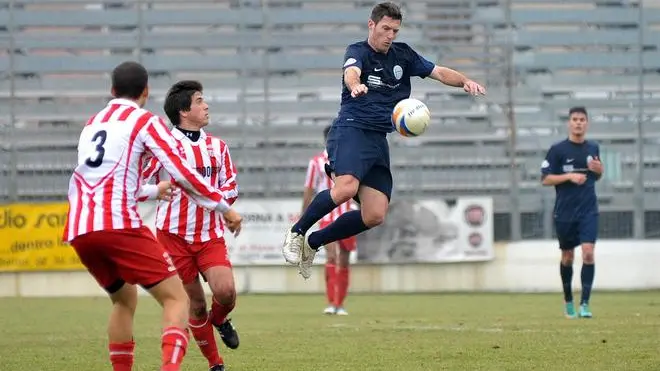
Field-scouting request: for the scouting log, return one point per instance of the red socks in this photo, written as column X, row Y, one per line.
column 121, row 356
column 219, row 311
column 336, row 284
column 202, row 331
column 331, row 282
column 174, row 345
column 341, row 286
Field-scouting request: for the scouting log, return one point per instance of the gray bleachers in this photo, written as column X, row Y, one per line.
column 272, row 78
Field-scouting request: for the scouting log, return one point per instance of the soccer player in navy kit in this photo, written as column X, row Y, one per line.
column 573, row 166
column 376, row 77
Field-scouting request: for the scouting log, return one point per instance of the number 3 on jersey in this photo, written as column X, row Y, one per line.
column 97, row 159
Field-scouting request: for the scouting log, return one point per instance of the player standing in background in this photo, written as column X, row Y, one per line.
column 192, row 235
column 376, row 77
column 338, row 253
column 103, row 224
column 573, row 166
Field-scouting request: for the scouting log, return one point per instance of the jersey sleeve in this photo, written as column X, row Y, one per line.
column 227, row 179
column 353, row 57
column 150, row 171
column 419, row 66
column 147, row 192
column 158, row 139
column 312, row 177
column 552, row 163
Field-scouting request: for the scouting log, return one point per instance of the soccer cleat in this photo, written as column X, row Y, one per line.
column 569, row 310
column 584, row 311
column 228, row 334
column 341, row 312
column 217, row 368
column 330, row 310
column 306, row 260
column 292, row 247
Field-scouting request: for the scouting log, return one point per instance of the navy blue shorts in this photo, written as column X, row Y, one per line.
column 365, row 154
column 575, row 233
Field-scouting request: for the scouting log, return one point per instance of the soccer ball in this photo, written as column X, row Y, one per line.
column 411, row 117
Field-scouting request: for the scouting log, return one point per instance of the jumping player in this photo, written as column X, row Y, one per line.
column 103, row 224
column 191, row 235
column 338, row 253
column 376, row 77
column 573, row 166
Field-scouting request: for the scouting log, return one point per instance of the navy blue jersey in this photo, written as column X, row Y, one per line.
column 573, row 201
column 388, row 78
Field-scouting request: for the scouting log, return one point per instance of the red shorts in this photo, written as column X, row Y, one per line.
column 190, row 259
column 347, row 244
column 124, row 255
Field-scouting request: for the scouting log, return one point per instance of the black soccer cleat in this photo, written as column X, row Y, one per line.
column 217, row 368
column 228, row 334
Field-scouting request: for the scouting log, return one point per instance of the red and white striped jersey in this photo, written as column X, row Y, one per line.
column 319, row 181
column 181, row 216
column 112, row 147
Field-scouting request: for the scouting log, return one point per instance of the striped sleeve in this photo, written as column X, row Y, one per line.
column 147, row 192
column 227, row 180
column 158, row 139
column 312, row 177
column 151, row 170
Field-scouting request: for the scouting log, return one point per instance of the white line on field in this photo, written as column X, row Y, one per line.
column 461, row 329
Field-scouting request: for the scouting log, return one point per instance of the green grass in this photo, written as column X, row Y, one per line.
column 393, row 332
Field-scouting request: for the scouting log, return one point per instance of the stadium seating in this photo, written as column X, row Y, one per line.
column 272, row 79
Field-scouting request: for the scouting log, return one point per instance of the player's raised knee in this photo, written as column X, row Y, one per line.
column 224, row 292
column 372, row 217
column 346, row 187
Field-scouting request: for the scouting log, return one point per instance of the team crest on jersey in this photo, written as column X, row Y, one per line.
column 398, row 72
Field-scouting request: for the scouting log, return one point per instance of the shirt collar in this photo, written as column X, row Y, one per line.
column 123, row 102
column 180, row 135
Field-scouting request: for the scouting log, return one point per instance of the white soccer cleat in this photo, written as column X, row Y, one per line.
column 306, row 260
column 292, row 247
column 330, row 310
column 341, row 312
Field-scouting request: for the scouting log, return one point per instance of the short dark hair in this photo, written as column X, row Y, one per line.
column 326, row 130
column 386, row 9
column 129, row 80
column 179, row 98
column 578, row 109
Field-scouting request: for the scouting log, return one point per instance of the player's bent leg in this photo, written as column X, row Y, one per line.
column 372, row 213
column 587, row 278
column 221, row 281
column 97, row 256
column 171, row 295
column 215, row 266
column 120, row 326
column 331, row 276
column 374, row 206
column 200, row 323
column 345, row 187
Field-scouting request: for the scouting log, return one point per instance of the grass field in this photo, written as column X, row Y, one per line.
column 402, row 332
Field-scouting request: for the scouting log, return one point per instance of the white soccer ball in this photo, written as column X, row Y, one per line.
column 411, row 117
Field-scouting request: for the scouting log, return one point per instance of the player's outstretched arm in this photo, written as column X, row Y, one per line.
column 451, row 77
column 227, row 181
